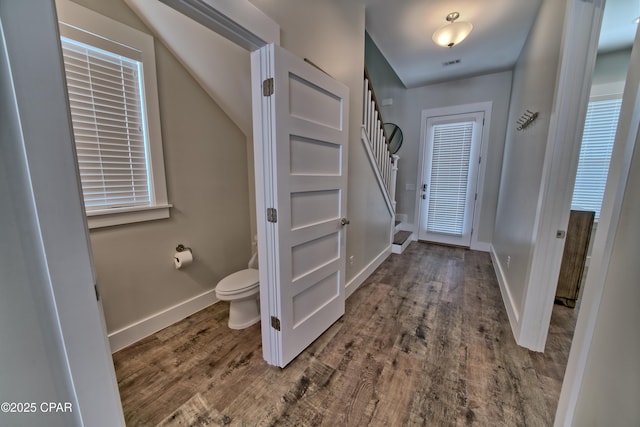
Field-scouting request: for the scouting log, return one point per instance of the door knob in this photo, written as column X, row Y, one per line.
column 344, row 221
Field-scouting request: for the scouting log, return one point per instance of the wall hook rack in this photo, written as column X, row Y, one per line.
column 526, row 119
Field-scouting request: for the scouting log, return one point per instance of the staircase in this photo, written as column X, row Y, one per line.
column 385, row 164
column 401, row 239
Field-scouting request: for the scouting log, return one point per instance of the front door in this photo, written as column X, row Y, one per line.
column 449, row 178
column 300, row 143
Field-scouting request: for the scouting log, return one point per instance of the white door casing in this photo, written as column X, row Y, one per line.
column 462, row 237
column 301, row 135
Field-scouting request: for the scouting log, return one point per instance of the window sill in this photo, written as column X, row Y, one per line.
column 111, row 217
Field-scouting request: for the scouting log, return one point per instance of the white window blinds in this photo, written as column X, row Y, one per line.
column 595, row 154
column 107, row 112
column 447, row 191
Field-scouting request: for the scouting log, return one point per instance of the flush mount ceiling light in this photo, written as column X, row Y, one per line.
column 453, row 33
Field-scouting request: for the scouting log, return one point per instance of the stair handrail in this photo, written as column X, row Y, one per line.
column 378, row 145
column 375, row 101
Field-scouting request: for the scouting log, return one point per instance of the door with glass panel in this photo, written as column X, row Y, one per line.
column 449, row 178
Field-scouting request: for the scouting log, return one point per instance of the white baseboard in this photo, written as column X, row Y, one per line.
column 481, row 246
column 359, row 279
column 135, row 332
column 507, row 298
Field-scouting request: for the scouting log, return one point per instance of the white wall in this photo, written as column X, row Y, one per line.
column 534, row 84
column 611, row 383
column 53, row 339
column 602, row 380
column 32, row 354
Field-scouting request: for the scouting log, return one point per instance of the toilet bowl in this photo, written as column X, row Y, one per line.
column 242, row 290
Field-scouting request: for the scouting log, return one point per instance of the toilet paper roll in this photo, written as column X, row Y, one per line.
column 181, row 259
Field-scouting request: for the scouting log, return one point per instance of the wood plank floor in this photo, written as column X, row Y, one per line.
column 424, row 341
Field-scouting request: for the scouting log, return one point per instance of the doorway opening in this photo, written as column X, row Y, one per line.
column 450, row 173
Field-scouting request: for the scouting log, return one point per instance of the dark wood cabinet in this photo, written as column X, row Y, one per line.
column 574, row 257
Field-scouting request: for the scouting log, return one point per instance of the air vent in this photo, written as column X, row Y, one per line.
column 453, row 62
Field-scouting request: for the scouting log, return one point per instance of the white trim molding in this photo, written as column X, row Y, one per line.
column 237, row 20
column 364, row 274
column 507, row 298
column 130, row 334
column 484, row 107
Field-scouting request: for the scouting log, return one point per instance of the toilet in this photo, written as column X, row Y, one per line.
column 242, row 290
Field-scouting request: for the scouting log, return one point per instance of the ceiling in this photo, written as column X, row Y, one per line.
column 402, row 31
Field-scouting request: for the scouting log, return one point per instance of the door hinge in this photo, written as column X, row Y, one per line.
column 275, row 323
column 95, row 288
column 475, row 197
column 472, row 231
column 272, row 215
column 267, row 87
column 479, row 159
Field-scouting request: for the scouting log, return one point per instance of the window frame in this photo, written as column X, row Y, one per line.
column 86, row 26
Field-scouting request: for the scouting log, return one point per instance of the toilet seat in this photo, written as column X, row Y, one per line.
column 238, row 282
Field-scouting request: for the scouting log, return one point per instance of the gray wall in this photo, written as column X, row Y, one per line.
column 611, row 67
column 331, row 34
column 533, row 88
column 385, row 81
column 207, row 183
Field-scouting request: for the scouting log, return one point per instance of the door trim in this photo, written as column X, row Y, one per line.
column 484, row 107
column 239, row 21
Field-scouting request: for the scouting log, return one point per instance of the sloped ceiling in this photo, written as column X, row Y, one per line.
column 222, row 68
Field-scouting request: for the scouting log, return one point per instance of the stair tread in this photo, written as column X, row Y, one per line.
column 400, row 237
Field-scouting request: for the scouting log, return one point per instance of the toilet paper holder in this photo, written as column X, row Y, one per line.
column 182, row 248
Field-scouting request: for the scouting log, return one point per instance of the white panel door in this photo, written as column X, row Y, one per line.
column 449, row 178
column 300, row 143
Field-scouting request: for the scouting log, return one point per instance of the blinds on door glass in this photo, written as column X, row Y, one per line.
column 595, row 154
column 108, row 125
column 447, row 193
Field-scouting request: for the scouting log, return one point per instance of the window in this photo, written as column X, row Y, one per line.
column 595, row 154
column 449, row 178
column 110, row 70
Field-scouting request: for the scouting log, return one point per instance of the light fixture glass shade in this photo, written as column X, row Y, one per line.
column 452, row 34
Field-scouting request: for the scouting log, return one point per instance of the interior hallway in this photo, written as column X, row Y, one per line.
column 424, row 341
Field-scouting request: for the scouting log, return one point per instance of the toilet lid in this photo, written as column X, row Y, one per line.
column 239, row 281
